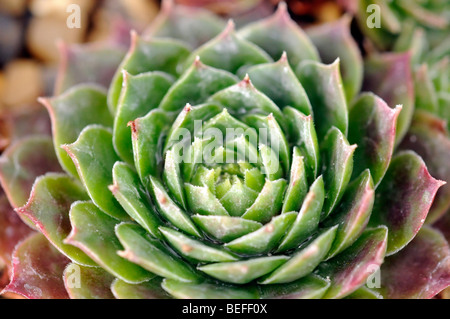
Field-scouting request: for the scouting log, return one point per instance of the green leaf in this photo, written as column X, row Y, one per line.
column 226, row 228
column 140, row 94
column 87, row 282
column 353, row 213
column 307, row 220
column 266, row 238
column 303, row 135
column 337, row 167
column 268, row 203
column 172, row 178
column 151, row 254
column 304, row 260
column 323, row 84
column 194, row 249
column 206, row 290
column 309, row 287
column 71, row 112
column 298, row 185
column 229, row 52
column 147, row 290
column 134, row 199
column 280, row 84
column 93, row 232
column 196, row 85
column 169, row 210
column 242, row 272
column 202, row 201
column 238, row 198
column 94, row 157
column 164, row 55
column 279, row 33
column 48, row 208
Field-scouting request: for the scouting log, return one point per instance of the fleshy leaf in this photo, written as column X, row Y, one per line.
column 309, row 287
column 71, row 112
column 206, row 290
column 323, row 85
column 242, row 272
column 152, row 255
column 303, row 261
column 427, row 136
column 280, row 33
column 147, row 133
column 364, row 293
column 131, row 194
column 336, row 35
column 353, row 213
column 164, row 55
column 94, row 157
column 337, row 167
column 22, row 163
column 226, row 228
column 147, row 290
column 48, row 208
column 202, row 201
column 140, row 94
column 389, row 76
column 187, row 89
column 172, row 178
column 87, row 63
column 407, row 179
column 426, row 260
column 87, row 282
column 265, row 238
column 37, row 270
column 350, row 269
column 372, row 128
column 303, row 134
column 229, row 52
column 170, row 210
column 93, row 232
column 307, row 220
column 194, row 249
column 192, row 25
column 279, row 82
column 298, row 186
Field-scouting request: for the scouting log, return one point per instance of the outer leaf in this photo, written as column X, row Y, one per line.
column 147, row 290
column 192, row 25
column 389, row 76
column 309, row 287
column 48, row 209
column 70, row 113
column 37, row 274
column 279, row 33
column 324, row 86
column 151, row 254
column 407, row 179
column 349, row 270
column 427, row 136
column 229, row 52
column 93, row 232
column 336, row 35
column 164, row 55
column 372, row 128
column 131, row 194
column 87, row 282
column 139, row 95
column 280, row 84
column 242, row 272
column 208, row 291
column 187, row 89
column 426, row 259
column 21, row 163
column 94, row 157
column 337, row 167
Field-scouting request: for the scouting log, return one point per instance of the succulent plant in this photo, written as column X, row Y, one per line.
column 224, row 163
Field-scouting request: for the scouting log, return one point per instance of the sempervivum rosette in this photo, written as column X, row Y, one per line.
column 221, row 164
